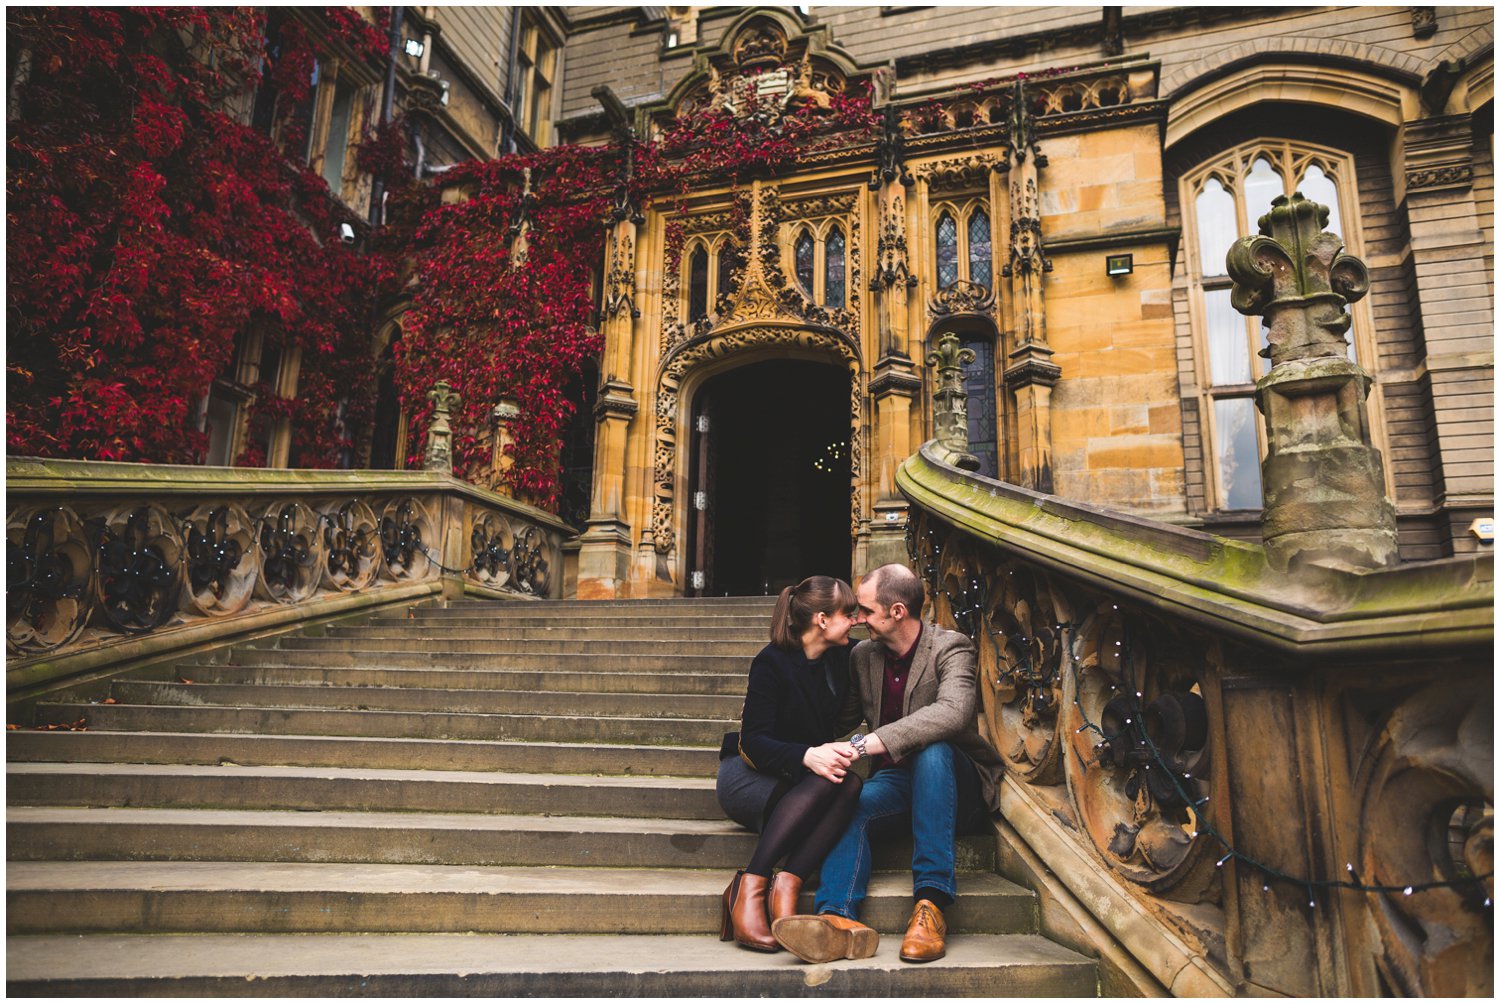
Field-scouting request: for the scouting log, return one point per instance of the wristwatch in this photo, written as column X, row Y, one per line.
column 858, row 742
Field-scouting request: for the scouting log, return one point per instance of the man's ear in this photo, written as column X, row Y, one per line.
column 897, row 606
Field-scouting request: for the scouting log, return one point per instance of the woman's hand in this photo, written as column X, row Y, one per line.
column 831, row 760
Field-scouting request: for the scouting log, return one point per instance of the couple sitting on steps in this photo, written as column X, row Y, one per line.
column 789, row 776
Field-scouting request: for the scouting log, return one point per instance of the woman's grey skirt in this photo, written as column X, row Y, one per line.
column 743, row 792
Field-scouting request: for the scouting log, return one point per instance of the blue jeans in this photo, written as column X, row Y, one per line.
column 926, row 790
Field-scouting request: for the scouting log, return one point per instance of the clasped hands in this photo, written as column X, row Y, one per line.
column 832, row 760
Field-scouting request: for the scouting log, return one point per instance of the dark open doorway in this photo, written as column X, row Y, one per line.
column 770, row 478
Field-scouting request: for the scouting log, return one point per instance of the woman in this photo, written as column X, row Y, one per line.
column 790, row 781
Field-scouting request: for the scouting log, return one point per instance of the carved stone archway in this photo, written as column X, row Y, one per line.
column 693, row 360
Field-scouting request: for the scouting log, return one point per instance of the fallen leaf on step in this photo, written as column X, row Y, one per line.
column 183, row 679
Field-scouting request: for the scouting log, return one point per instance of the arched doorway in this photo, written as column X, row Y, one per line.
column 769, row 472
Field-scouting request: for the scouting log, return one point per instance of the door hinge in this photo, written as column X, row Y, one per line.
column 702, row 423
column 697, row 580
column 700, row 501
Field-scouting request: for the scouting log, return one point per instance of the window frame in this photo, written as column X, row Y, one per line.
column 962, row 212
column 537, row 58
column 715, row 246
column 1231, row 166
column 819, row 230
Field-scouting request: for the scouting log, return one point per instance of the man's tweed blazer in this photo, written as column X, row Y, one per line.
column 940, row 702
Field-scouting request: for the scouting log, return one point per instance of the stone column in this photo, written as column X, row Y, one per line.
column 604, row 554
column 894, row 381
column 1323, row 481
column 1030, row 373
column 501, row 416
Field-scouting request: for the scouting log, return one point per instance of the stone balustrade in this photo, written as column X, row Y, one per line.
column 111, row 564
column 1199, row 745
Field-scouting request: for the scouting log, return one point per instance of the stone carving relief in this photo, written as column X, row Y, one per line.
column 1428, row 816
column 890, row 250
column 620, row 295
column 958, row 173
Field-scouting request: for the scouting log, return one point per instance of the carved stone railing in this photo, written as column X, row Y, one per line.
column 1253, row 780
column 111, row 564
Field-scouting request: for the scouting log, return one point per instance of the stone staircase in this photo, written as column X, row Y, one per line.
column 507, row 799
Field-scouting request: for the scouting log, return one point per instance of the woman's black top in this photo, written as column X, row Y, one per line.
column 791, row 704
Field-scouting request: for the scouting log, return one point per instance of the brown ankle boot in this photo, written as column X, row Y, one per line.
column 747, row 914
column 785, row 888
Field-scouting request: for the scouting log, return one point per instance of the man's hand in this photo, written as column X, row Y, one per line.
column 831, row 760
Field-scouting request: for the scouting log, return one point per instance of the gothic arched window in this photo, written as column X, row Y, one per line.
column 802, row 253
column 698, row 284
column 981, row 254
column 833, row 269
column 1222, row 200
column 947, row 251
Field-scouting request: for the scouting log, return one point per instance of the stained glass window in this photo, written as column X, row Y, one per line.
column 833, row 269
column 726, row 270
column 803, row 250
column 981, row 255
column 698, row 284
column 947, row 251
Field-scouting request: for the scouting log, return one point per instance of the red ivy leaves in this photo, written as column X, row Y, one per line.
column 147, row 229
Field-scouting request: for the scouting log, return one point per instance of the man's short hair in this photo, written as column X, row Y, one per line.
column 895, row 583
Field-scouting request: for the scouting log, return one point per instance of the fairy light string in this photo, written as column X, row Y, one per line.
column 963, row 611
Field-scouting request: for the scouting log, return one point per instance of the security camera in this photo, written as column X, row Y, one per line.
column 346, row 233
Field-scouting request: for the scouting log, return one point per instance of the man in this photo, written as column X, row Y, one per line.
column 914, row 683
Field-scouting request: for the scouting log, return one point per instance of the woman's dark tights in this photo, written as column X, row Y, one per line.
column 804, row 824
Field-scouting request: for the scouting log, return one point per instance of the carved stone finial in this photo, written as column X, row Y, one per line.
column 1296, row 275
column 1323, row 481
column 439, row 453
column 950, row 401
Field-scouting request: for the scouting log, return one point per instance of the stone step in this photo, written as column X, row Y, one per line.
column 504, row 702
column 392, row 724
column 49, row 833
column 592, row 663
column 723, row 684
column 714, row 606
column 669, row 624
column 330, row 789
column 597, row 646
column 359, row 752
column 497, row 966
column 753, row 639
column 205, row 897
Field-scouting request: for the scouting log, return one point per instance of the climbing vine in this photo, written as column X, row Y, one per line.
column 148, row 228
column 154, row 222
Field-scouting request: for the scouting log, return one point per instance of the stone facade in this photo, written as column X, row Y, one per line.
column 1116, row 400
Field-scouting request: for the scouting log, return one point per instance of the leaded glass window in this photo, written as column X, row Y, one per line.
column 726, row 271
column 981, row 254
column 1223, row 200
column 979, row 383
column 947, row 251
column 833, row 269
column 803, row 254
column 698, row 284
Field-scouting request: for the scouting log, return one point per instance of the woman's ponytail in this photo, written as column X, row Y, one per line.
column 798, row 605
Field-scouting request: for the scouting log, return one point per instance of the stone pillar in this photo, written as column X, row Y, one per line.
column 1030, row 373
column 1323, row 481
column 1449, row 260
column 439, row 453
column 604, row 554
column 894, row 380
column 950, row 403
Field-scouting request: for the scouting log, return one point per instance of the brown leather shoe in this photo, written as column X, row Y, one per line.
column 825, row 937
column 745, row 913
column 785, row 888
column 924, row 933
